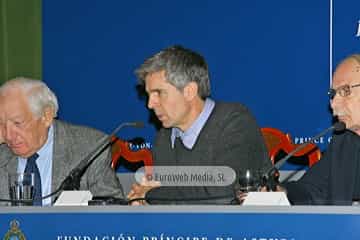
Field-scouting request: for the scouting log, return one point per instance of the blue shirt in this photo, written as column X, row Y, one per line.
column 44, row 163
column 190, row 136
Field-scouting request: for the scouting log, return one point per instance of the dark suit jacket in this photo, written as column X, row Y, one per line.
column 71, row 144
column 230, row 137
column 334, row 179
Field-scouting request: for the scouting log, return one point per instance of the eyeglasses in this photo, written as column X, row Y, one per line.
column 343, row 91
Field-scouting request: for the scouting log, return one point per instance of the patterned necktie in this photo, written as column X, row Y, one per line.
column 31, row 167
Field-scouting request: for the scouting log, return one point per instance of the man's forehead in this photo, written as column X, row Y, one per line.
column 158, row 74
column 156, row 80
column 14, row 104
column 354, row 65
column 348, row 72
column 13, row 97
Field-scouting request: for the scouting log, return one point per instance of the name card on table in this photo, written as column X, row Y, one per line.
column 73, row 198
column 266, row 199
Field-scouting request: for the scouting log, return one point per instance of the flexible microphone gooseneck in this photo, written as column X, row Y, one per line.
column 268, row 175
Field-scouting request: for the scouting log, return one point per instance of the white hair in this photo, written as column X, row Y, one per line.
column 38, row 94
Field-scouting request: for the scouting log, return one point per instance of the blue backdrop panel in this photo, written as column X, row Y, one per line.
column 273, row 56
column 346, row 27
column 147, row 224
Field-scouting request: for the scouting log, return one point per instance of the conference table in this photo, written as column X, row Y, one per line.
column 180, row 222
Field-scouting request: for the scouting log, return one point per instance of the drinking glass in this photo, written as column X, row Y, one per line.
column 248, row 181
column 21, row 189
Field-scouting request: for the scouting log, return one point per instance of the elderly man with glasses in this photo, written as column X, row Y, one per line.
column 335, row 179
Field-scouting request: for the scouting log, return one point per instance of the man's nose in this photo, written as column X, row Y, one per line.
column 336, row 101
column 152, row 102
column 9, row 132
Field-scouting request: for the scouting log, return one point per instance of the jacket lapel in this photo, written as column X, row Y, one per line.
column 61, row 160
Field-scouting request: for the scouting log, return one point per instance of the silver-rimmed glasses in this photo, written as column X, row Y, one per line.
column 343, row 91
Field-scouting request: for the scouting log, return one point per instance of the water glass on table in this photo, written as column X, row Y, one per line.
column 21, row 189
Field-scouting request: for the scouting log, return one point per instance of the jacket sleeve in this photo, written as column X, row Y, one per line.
column 313, row 187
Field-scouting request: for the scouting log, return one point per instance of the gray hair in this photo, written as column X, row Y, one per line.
column 38, row 94
column 181, row 67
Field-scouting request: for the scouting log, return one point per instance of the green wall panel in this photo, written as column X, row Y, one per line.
column 20, row 39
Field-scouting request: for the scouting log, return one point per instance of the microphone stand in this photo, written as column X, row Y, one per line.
column 270, row 176
column 72, row 181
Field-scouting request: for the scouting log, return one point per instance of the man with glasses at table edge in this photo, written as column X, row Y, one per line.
column 335, row 179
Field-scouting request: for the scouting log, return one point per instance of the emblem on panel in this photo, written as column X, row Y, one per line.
column 14, row 232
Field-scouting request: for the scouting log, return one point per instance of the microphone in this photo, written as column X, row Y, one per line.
column 268, row 176
column 72, row 181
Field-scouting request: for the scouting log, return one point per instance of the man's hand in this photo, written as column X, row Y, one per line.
column 139, row 190
column 278, row 188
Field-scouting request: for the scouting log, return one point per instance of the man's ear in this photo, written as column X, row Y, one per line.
column 48, row 116
column 190, row 91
